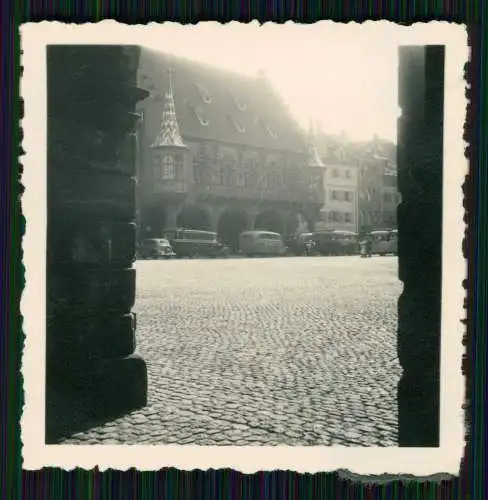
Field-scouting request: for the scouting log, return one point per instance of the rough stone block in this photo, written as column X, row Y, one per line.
column 91, row 194
column 114, row 385
column 92, row 242
column 73, row 339
column 90, row 290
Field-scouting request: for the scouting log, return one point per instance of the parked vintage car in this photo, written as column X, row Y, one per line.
column 264, row 243
column 385, row 242
column 155, row 248
column 194, row 243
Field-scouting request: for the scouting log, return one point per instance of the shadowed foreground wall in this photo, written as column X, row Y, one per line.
column 91, row 363
column 420, row 164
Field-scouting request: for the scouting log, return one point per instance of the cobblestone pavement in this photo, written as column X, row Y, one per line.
column 296, row 351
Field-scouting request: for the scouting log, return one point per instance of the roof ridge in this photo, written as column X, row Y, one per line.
column 184, row 59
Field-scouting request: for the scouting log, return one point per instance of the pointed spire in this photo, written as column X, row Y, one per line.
column 169, row 134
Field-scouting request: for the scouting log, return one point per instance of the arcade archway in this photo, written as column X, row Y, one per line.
column 153, row 221
column 231, row 224
column 269, row 220
column 194, row 217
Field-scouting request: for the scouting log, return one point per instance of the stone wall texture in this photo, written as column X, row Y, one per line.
column 91, row 233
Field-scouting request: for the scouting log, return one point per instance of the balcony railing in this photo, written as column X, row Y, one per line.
column 258, row 194
column 170, row 186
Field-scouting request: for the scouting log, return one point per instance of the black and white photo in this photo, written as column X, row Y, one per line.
column 221, row 245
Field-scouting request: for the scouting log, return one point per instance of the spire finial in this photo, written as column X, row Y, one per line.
column 169, row 134
column 170, row 75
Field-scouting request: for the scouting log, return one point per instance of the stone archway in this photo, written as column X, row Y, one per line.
column 194, row 217
column 269, row 220
column 153, row 221
column 231, row 224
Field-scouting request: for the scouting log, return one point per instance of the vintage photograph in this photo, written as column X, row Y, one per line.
column 224, row 236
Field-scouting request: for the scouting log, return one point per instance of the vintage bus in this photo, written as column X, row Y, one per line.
column 336, row 242
column 194, row 243
column 264, row 243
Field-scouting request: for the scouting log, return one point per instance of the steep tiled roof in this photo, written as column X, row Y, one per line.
column 215, row 104
column 378, row 148
column 336, row 149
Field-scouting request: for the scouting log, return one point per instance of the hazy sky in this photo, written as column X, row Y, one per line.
column 343, row 76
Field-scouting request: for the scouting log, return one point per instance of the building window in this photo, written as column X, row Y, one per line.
column 168, row 167
column 228, row 170
column 335, row 172
column 238, row 126
column 157, row 167
column 335, row 216
column 250, row 171
column 241, row 174
column 203, row 121
column 335, row 195
column 348, row 217
column 205, row 95
column 348, row 174
column 348, row 196
column 241, row 106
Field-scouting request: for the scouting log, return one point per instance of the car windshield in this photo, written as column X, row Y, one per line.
column 269, row 236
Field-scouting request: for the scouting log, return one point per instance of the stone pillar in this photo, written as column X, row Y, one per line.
column 91, row 234
column 420, row 153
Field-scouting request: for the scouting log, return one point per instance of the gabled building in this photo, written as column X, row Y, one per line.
column 359, row 184
column 340, row 209
column 220, row 151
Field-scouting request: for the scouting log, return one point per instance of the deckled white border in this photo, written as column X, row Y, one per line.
column 36, row 454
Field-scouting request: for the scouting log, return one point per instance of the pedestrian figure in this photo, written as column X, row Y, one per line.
column 369, row 245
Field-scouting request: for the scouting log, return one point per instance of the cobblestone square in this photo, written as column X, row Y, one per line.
column 294, row 351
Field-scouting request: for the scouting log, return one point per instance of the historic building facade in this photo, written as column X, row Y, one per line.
column 218, row 151
column 340, row 210
column 378, row 196
column 359, row 184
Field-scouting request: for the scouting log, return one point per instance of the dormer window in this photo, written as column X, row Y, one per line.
column 238, row 126
column 271, row 132
column 241, row 106
column 204, row 94
column 198, row 113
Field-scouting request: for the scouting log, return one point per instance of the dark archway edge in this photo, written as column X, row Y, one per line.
column 91, row 237
column 70, row 126
column 420, row 154
column 231, row 223
column 194, row 217
column 269, row 220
